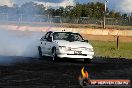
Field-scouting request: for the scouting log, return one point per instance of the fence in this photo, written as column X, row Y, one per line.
column 58, row 19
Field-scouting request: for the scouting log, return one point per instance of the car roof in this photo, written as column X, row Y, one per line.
column 62, row 31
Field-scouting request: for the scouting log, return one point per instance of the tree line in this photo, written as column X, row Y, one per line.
column 90, row 10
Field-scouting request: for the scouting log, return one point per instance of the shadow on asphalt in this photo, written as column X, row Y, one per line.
column 6, row 61
column 64, row 60
column 95, row 60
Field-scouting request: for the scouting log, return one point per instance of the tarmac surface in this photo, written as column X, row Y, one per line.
column 35, row 73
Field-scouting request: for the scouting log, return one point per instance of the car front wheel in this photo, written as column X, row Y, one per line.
column 54, row 56
column 40, row 51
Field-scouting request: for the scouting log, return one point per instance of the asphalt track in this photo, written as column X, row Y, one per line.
column 35, row 73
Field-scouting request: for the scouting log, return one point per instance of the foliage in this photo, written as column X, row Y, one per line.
column 89, row 10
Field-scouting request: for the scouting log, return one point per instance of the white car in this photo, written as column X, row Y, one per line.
column 65, row 45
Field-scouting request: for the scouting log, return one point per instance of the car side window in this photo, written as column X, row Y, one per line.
column 46, row 36
column 49, row 37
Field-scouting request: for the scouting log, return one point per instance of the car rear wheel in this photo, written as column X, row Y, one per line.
column 40, row 51
column 87, row 60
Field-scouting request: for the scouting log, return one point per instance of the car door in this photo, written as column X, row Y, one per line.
column 43, row 42
column 49, row 43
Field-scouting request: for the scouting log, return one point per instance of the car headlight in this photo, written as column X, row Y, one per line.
column 62, row 47
column 89, row 49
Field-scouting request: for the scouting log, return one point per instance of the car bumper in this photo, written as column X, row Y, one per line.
column 76, row 56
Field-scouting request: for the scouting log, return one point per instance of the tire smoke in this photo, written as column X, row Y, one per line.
column 18, row 46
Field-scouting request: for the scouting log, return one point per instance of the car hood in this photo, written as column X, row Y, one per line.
column 74, row 44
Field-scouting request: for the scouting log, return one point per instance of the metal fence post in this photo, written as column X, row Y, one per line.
column 117, row 42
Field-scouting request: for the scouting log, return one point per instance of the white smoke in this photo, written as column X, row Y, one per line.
column 18, row 46
column 18, row 43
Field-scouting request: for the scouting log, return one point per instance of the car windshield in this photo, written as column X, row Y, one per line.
column 68, row 36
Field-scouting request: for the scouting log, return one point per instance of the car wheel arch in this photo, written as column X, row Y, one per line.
column 54, row 51
column 53, row 48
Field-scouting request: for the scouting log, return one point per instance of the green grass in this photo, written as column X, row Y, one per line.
column 109, row 49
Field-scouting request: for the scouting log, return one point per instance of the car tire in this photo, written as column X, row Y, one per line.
column 40, row 52
column 87, row 60
column 54, row 56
